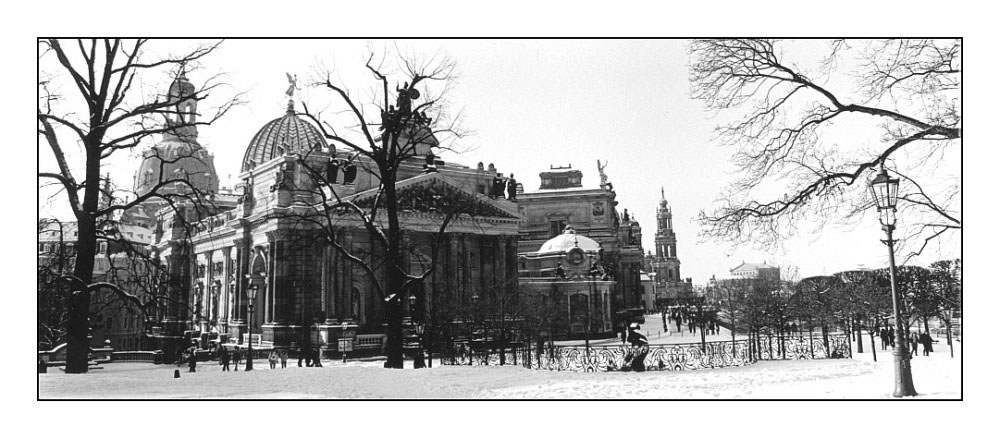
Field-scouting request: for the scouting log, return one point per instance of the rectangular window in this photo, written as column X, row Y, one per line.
column 556, row 228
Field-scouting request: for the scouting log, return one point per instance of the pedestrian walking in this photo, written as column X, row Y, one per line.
column 224, row 358
column 884, row 336
column 913, row 344
column 272, row 359
column 892, row 337
column 316, row 357
column 236, row 358
column 284, row 358
column 192, row 361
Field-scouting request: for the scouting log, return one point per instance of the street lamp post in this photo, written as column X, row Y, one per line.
column 885, row 190
column 253, row 295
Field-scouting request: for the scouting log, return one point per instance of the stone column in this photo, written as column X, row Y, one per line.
column 224, row 292
column 326, row 284
column 206, row 296
column 273, row 281
column 451, row 272
column 240, row 272
column 347, row 276
column 466, row 281
column 500, row 267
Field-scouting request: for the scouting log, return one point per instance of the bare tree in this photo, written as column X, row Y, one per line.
column 865, row 297
column 908, row 89
column 105, row 113
column 383, row 139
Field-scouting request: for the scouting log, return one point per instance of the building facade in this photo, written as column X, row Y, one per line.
column 756, row 270
column 562, row 203
column 279, row 237
column 566, row 280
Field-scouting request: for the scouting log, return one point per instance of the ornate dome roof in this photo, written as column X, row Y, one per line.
column 569, row 240
column 289, row 134
column 176, row 159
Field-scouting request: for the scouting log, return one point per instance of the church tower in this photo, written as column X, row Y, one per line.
column 666, row 264
column 177, row 164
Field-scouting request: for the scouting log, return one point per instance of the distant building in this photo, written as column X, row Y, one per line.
column 756, row 270
column 665, row 265
column 123, row 262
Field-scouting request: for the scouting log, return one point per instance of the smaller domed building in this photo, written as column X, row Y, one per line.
column 567, row 279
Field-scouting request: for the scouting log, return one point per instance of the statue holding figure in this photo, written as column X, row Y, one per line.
column 600, row 169
column 405, row 96
column 292, row 85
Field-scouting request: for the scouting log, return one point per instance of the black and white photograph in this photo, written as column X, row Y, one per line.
column 263, row 215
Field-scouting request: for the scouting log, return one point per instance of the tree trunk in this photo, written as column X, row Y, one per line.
column 78, row 323
column 861, row 345
column 826, row 340
column 947, row 326
column 396, row 278
column 872, row 336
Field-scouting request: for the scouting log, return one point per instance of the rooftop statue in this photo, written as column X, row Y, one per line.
column 292, row 85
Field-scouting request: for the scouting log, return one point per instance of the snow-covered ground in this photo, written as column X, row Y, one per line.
column 935, row 377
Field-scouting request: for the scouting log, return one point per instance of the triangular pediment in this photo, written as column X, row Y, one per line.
column 435, row 193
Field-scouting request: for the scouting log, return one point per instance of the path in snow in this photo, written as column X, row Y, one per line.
column 937, row 376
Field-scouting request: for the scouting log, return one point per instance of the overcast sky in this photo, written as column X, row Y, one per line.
column 530, row 104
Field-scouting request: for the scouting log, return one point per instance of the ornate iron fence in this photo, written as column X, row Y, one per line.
column 674, row 357
column 802, row 347
column 668, row 357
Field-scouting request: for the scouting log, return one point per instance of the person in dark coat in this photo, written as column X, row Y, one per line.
column 639, row 350
column 634, row 337
column 926, row 340
column 236, row 358
column 316, row 358
column 224, row 358
column 913, row 344
column 892, row 337
column 192, row 360
column 884, row 336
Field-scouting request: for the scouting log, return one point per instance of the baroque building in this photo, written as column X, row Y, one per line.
column 563, row 210
column 277, row 236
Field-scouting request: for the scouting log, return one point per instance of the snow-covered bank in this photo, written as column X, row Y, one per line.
column 937, row 377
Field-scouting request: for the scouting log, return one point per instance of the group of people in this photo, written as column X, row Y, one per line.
column 888, row 337
column 311, row 357
column 925, row 340
column 678, row 317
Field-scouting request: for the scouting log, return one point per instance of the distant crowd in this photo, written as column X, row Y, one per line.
column 311, row 357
